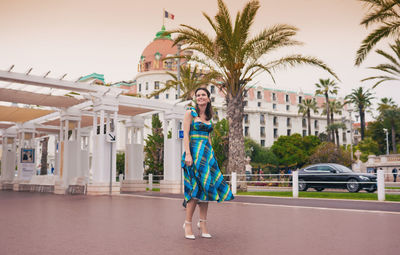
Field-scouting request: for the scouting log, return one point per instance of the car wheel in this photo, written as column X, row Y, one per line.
column 302, row 185
column 353, row 185
column 319, row 189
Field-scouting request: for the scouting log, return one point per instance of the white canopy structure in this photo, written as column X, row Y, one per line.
column 74, row 112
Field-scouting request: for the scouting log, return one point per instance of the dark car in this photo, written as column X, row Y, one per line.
column 321, row 176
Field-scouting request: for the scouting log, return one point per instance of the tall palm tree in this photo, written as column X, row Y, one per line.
column 391, row 70
column 326, row 87
column 335, row 107
column 237, row 57
column 384, row 15
column 391, row 117
column 305, row 107
column 362, row 99
column 190, row 80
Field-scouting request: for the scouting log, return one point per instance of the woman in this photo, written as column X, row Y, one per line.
column 203, row 179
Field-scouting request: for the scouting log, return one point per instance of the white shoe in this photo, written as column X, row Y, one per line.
column 191, row 237
column 203, row 234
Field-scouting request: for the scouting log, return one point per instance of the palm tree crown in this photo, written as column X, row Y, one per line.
column 305, row 108
column 362, row 99
column 237, row 57
column 391, row 70
column 385, row 15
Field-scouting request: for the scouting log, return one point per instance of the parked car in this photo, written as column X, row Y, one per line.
column 321, row 176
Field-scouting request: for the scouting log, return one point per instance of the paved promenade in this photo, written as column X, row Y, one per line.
column 33, row 223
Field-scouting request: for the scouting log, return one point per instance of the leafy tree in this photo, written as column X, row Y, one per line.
column 154, row 148
column 391, row 70
column 362, row 99
column 375, row 131
column 328, row 152
column 294, row 149
column 326, row 87
column 219, row 142
column 120, row 163
column 237, row 58
column 384, row 16
column 391, row 120
column 190, row 80
column 305, row 107
column 367, row 147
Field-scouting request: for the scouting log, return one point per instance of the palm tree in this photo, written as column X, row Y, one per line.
column 391, row 69
column 391, row 117
column 305, row 107
column 386, row 103
column 326, row 87
column 334, row 128
column 384, row 16
column 238, row 58
column 362, row 99
column 335, row 107
column 190, row 80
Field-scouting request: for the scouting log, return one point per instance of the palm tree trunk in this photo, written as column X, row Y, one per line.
column 337, row 138
column 309, row 121
column 394, row 146
column 43, row 161
column 327, row 116
column 236, row 159
column 332, row 130
column 362, row 122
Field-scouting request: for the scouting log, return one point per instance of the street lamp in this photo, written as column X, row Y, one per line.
column 387, row 140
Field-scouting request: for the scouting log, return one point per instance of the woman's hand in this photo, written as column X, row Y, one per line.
column 188, row 160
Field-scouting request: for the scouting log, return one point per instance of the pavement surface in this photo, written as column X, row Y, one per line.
column 148, row 223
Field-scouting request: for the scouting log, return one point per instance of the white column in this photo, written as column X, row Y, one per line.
column 295, row 184
column 234, row 183
column 381, row 185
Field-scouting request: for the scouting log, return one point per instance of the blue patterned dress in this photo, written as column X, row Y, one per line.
column 203, row 179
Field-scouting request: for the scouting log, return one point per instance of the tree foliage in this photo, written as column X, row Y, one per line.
column 328, row 152
column 120, row 163
column 367, row 147
column 219, row 142
column 294, row 149
column 154, row 148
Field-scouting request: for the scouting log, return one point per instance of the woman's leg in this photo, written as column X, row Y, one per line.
column 203, row 216
column 190, row 207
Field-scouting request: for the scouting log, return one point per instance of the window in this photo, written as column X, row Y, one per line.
column 274, row 106
column 300, row 99
column 275, row 121
column 289, row 132
column 316, row 133
column 244, row 103
column 344, row 137
column 288, row 123
column 304, row 122
column 176, row 96
column 287, row 107
column 273, row 96
column 246, row 131
column 262, row 119
column 262, row 143
column 259, row 104
column 315, row 123
column 304, row 132
column 212, row 89
column 245, row 93
column 275, row 133
column 156, row 85
column 212, row 99
column 147, row 85
column 262, row 131
column 140, row 87
column 156, row 96
column 166, row 96
column 287, row 98
column 246, row 118
column 259, row 96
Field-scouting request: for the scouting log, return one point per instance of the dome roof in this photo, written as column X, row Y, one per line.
column 153, row 54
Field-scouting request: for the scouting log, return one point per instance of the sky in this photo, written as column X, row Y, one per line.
column 108, row 37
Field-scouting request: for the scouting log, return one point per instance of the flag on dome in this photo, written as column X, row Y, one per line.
column 168, row 15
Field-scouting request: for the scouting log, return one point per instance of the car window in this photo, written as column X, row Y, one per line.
column 325, row 168
column 312, row 169
column 343, row 169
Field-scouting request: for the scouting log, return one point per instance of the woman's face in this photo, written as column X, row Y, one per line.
column 202, row 98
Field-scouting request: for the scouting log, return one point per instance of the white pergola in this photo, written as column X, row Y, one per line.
column 74, row 112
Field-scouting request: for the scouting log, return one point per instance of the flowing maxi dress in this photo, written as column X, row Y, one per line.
column 203, row 179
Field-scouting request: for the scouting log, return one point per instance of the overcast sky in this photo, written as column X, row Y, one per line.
column 81, row 37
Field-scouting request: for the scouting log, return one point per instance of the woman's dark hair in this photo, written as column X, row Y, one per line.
column 208, row 112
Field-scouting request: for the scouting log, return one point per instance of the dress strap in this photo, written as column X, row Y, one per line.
column 193, row 111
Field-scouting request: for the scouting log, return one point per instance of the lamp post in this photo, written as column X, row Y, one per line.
column 387, row 140
column 351, row 134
